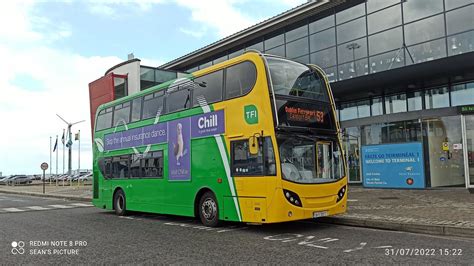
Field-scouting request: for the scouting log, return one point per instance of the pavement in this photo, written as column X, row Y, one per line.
column 446, row 211
column 440, row 211
column 46, row 231
column 81, row 192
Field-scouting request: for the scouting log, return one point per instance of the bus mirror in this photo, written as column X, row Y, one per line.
column 253, row 145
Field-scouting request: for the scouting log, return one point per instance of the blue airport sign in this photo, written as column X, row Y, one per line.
column 393, row 166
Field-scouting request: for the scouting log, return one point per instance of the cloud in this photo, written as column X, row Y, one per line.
column 101, row 9
column 30, row 116
column 109, row 8
column 221, row 15
column 22, row 26
column 224, row 15
column 16, row 13
column 194, row 33
column 36, row 82
column 292, row 3
column 151, row 62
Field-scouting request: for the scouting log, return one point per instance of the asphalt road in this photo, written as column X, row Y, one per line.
column 45, row 231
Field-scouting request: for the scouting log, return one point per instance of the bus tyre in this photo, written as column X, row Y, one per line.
column 208, row 210
column 120, row 204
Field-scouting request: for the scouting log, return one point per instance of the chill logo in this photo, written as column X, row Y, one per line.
column 18, row 248
column 251, row 114
column 208, row 122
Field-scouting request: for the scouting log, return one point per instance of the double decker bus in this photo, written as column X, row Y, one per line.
column 253, row 139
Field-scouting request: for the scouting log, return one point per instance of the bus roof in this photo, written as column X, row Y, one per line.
column 168, row 83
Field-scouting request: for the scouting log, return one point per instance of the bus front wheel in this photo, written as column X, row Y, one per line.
column 120, row 204
column 208, row 210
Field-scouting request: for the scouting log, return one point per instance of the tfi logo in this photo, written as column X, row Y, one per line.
column 251, row 114
column 207, row 122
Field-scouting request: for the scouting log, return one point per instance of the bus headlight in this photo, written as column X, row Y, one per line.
column 341, row 193
column 292, row 197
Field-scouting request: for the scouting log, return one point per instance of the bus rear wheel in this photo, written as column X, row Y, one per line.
column 208, row 210
column 120, row 204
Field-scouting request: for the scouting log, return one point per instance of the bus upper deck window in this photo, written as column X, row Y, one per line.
column 240, row 79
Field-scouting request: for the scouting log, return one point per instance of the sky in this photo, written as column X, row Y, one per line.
column 51, row 50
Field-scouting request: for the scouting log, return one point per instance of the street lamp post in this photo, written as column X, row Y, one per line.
column 353, row 46
column 69, row 143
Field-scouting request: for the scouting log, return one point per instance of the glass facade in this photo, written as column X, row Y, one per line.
column 322, row 40
column 437, row 98
column 462, row 94
column 351, row 144
column 446, row 167
column 385, row 19
column 150, row 77
column 414, row 100
column 442, row 167
column 394, row 132
column 424, row 30
column 430, row 98
column 396, row 103
column 371, row 36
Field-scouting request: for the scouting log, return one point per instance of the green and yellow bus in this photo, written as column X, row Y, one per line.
column 253, row 139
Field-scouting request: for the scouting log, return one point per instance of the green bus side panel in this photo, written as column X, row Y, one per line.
column 161, row 195
column 95, row 187
column 229, row 209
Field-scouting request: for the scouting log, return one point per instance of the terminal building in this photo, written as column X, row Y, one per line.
column 401, row 72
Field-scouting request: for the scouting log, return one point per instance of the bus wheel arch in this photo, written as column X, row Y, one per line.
column 207, row 199
column 119, row 202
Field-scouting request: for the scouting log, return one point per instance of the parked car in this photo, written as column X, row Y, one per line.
column 62, row 178
column 19, row 179
column 32, row 177
column 54, row 177
column 73, row 177
column 49, row 177
column 4, row 179
column 76, row 177
column 86, row 177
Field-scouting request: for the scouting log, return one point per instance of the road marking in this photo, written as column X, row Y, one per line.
column 360, row 247
column 13, row 210
column 231, row 228
column 37, row 208
column 11, row 199
column 58, row 206
column 191, row 224
column 309, row 241
column 17, row 200
column 127, row 217
column 82, row 204
column 353, row 200
column 46, row 207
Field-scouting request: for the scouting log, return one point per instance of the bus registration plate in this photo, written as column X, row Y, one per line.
column 320, row 214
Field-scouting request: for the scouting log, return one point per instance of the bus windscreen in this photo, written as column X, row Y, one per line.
column 290, row 78
column 301, row 96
